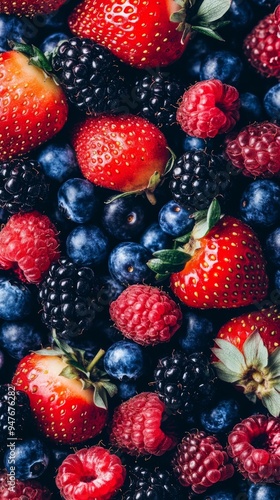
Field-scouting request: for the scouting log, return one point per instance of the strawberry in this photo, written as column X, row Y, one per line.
column 123, row 153
column 30, row 7
column 247, row 354
column 67, row 395
column 33, row 107
column 220, row 265
column 146, row 33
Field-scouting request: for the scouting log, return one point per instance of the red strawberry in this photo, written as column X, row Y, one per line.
column 220, row 266
column 247, row 354
column 90, row 473
column 68, row 398
column 30, row 7
column 33, row 107
column 123, row 153
column 144, row 33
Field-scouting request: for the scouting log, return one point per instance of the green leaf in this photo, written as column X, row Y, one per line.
column 272, row 402
column 163, row 268
column 50, row 352
column 213, row 213
column 172, row 256
column 170, row 162
column 161, row 277
column 255, row 352
column 274, row 363
column 200, row 229
column 100, row 397
column 208, row 32
column 69, row 372
column 225, row 374
column 183, row 239
column 178, row 16
column 230, row 356
column 211, row 10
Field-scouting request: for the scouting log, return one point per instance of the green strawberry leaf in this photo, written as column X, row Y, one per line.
column 206, row 220
column 69, row 372
column 230, row 356
column 211, row 10
column 161, row 277
column 182, row 239
column 213, row 213
column 272, row 402
column 255, row 352
column 163, row 268
column 176, row 257
column 100, row 397
column 208, row 32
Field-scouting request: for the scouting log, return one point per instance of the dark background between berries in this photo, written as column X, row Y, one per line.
column 198, row 328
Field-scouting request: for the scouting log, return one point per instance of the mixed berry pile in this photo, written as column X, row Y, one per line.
column 140, row 250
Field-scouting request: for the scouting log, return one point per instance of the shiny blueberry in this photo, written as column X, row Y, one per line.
column 272, row 102
column 51, row 41
column 154, row 238
column 250, row 108
column 175, row 220
column 87, row 245
column 197, row 49
column 264, row 492
column 15, row 299
column 128, row 263
column 18, row 338
column 124, row 360
column 240, row 15
column 221, row 494
column 58, row 161
column 109, row 290
column 222, row 417
column 191, row 143
column 77, row 200
column 30, row 459
column 11, row 28
column 273, row 247
column 196, row 332
column 126, row 389
column 125, row 218
column 222, row 65
column 260, row 203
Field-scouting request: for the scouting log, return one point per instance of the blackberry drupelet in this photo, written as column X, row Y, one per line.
column 197, row 177
column 185, row 383
column 15, row 413
column 23, row 185
column 152, row 483
column 156, row 96
column 68, row 298
column 89, row 75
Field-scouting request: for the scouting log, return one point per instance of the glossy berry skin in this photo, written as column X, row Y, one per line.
column 124, row 360
column 263, row 492
column 31, row 489
column 175, row 220
column 127, row 390
column 271, row 102
column 18, row 338
column 59, row 404
column 31, row 459
column 240, row 15
column 273, row 247
column 125, row 218
column 251, row 108
column 196, row 332
column 154, row 238
column 77, row 200
column 254, row 201
column 58, row 161
column 222, row 65
column 88, row 245
column 11, row 27
column 16, row 300
column 208, row 108
column 31, row 7
column 51, row 41
column 45, row 102
column 221, row 417
column 136, row 426
column 225, row 255
column 91, row 472
column 127, row 263
column 131, row 150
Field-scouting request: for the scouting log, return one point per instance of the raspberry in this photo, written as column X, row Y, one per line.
column 136, row 426
column 90, row 473
column 201, row 461
column 208, row 108
column 256, row 150
column 21, row 490
column 254, row 445
column 146, row 314
column 262, row 45
column 28, row 245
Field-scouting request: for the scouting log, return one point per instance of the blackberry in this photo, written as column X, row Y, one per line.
column 185, row 383
column 68, row 298
column 23, row 185
column 152, row 484
column 89, row 75
column 156, row 96
column 197, row 177
column 15, row 413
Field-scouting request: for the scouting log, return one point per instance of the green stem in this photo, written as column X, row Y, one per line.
column 95, row 360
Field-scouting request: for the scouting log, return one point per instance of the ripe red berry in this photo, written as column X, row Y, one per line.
column 136, row 426
column 208, row 108
column 146, row 314
column 28, row 245
column 256, row 150
column 90, row 473
column 254, row 445
column 13, row 490
column 201, row 461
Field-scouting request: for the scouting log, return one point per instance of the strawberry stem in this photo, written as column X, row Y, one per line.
column 95, row 360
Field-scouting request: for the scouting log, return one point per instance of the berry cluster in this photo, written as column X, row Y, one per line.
column 139, row 250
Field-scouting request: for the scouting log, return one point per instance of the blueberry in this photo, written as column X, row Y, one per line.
column 128, row 263
column 273, row 247
column 18, row 338
column 190, row 143
column 240, row 15
column 125, row 218
column 260, row 203
column 51, row 41
column 222, row 65
column 272, row 102
column 126, row 390
column 196, row 332
column 175, row 220
column 221, row 494
column 264, row 492
column 77, row 200
column 124, row 360
column 11, row 28
column 222, row 417
column 15, row 299
column 30, row 459
column 250, row 108
column 58, row 161
column 154, row 238
column 109, row 290
column 197, row 49
column 87, row 245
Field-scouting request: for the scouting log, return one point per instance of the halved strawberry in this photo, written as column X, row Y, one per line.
column 33, row 107
column 67, row 395
column 30, row 7
column 219, row 265
column 247, row 354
